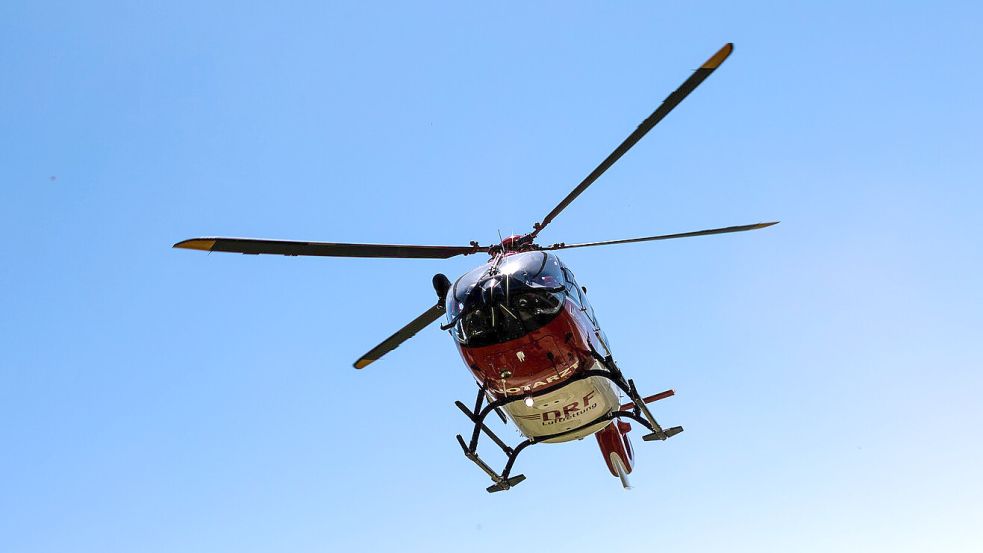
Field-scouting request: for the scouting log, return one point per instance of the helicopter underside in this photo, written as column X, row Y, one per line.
column 567, row 409
column 594, row 411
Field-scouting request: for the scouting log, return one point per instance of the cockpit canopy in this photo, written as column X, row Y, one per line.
column 506, row 299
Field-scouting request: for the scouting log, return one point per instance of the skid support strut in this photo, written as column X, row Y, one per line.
column 636, row 411
column 638, row 404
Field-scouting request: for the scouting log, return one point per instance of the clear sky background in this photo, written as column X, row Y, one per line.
column 828, row 370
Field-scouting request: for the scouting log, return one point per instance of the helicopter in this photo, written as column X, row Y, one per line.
column 524, row 328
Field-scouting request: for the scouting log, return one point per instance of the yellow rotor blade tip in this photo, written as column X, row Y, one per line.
column 196, row 244
column 718, row 58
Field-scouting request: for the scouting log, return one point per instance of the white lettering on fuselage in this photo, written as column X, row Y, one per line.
column 538, row 384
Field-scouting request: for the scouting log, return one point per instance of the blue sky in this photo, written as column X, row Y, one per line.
column 827, row 369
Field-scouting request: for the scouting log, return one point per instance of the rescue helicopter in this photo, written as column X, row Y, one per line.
column 525, row 329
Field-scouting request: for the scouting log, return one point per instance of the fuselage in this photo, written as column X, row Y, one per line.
column 525, row 328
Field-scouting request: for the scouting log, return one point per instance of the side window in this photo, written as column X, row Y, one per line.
column 572, row 289
column 577, row 294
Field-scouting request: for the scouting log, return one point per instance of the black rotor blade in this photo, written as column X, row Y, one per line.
column 667, row 105
column 724, row 230
column 330, row 249
column 401, row 335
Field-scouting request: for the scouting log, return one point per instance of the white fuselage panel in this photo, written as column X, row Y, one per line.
column 569, row 407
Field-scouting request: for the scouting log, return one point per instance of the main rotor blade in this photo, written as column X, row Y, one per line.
column 401, row 335
column 725, row 230
column 667, row 105
column 331, row 249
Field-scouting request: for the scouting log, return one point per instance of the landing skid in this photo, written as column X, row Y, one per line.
column 636, row 411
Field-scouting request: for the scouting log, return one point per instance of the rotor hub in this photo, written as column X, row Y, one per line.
column 513, row 243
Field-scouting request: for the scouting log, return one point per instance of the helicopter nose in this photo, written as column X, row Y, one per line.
column 493, row 291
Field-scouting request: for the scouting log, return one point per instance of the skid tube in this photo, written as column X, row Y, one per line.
column 638, row 412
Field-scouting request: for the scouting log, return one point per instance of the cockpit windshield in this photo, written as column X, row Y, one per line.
column 534, row 269
column 506, row 299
